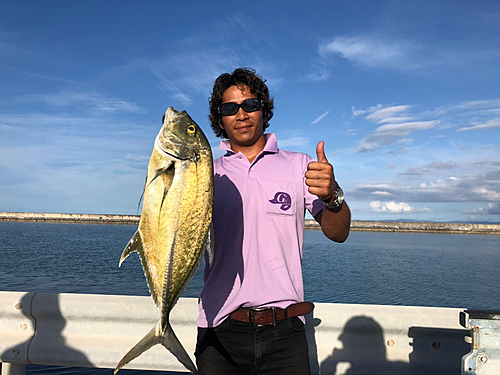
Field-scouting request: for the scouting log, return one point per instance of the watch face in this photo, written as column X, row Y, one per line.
column 340, row 195
column 338, row 199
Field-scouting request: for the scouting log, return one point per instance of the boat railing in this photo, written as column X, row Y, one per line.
column 87, row 330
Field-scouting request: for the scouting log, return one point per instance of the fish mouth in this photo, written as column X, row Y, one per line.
column 170, row 112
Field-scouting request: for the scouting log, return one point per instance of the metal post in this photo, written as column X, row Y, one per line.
column 484, row 357
column 13, row 369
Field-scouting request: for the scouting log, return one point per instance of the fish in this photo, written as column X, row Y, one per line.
column 175, row 228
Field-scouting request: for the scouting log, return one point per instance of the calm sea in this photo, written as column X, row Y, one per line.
column 441, row 270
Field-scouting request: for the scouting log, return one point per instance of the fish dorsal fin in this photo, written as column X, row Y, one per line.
column 135, row 244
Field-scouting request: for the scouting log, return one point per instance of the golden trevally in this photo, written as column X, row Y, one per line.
column 175, row 226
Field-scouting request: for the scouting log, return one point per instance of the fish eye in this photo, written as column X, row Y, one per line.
column 191, row 129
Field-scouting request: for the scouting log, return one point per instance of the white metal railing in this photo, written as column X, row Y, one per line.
column 97, row 330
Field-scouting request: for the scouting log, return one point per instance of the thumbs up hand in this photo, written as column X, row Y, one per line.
column 319, row 175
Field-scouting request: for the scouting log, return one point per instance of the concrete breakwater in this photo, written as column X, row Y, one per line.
column 70, row 218
column 356, row 225
column 424, row 227
column 473, row 228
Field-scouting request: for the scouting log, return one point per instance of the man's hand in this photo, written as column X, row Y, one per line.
column 321, row 181
column 319, row 175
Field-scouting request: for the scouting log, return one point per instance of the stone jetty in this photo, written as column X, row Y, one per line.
column 356, row 225
column 70, row 218
column 423, row 227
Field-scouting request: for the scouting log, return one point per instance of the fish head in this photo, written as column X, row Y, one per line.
column 181, row 137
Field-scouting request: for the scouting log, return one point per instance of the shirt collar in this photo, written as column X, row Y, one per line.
column 270, row 147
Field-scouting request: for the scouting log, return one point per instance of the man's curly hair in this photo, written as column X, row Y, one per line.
column 239, row 77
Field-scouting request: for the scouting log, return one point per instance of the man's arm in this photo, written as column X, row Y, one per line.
column 336, row 222
column 320, row 179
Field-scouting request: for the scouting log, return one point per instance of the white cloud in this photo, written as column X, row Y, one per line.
column 320, row 72
column 393, row 207
column 371, row 51
column 390, row 114
column 492, row 209
column 490, row 124
column 92, row 99
column 388, row 134
column 440, row 184
column 397, row 123
column 487, row 194
column 378, row 192
column 357, row 112
column 473, row 181
column 320, row 118
column 477, row 104
column 405, row 128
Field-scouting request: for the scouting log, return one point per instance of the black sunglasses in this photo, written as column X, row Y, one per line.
column 249, row 105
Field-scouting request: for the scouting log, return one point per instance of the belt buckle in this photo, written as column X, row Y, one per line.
column 274, row 323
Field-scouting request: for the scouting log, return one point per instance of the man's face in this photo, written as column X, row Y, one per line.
column 243, row 128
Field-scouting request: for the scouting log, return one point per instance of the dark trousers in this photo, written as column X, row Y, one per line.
column 241, row 348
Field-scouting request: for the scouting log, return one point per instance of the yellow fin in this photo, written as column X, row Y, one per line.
column 134, row 244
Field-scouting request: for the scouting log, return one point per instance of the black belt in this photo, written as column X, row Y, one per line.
column 271, row 315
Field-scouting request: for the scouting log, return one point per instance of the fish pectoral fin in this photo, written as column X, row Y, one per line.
column 209, row 245
column 134, row 244
column 167, row 165
column 170, row 341
column 148, row 341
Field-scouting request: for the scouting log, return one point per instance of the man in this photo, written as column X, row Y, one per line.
column 252, row 305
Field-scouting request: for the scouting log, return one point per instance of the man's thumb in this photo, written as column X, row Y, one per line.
column 320, row 152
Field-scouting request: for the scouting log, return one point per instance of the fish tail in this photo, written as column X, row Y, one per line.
column 148, row 341
column 172, row 343
column 169, row 340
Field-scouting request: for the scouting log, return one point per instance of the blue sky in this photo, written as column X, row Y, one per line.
column 405, row 95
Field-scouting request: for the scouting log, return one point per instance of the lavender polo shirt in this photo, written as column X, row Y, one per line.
column 259, row 212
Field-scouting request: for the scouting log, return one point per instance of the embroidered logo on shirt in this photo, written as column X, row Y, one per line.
column 282, row 198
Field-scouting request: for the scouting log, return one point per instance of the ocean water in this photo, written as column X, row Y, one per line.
column 419, row 269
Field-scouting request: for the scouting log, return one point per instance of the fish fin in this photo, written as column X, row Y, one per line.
column 210, row 245
column 167, row 177
column 169, row 340
column 168, row 165
column 134, row 244
column 148, row 341
column 172, row 343
column 142, row 195
column 158, row 173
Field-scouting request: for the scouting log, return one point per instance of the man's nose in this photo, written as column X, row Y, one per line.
column 241, row 114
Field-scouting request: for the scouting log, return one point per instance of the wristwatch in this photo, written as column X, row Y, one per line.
column 336, row 200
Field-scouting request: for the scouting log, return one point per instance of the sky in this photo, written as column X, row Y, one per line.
column 405, row 95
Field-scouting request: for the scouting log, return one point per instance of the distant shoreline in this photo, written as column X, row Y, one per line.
column 356, row 225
